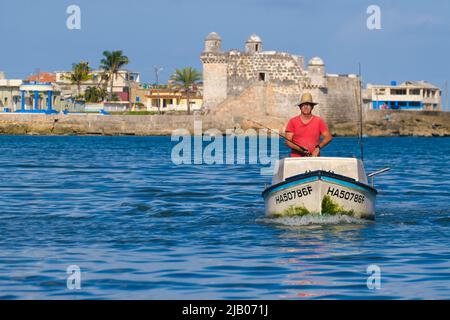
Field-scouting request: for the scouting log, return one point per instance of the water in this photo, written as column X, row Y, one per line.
column 140, row 227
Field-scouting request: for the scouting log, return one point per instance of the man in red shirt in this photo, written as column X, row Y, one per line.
column 306, row 129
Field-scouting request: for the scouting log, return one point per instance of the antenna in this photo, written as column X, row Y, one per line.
column 361, row 146
column 446, row 97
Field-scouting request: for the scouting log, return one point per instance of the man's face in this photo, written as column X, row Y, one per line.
column 306, row 109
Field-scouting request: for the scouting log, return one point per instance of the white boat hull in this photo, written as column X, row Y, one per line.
column 320, row 192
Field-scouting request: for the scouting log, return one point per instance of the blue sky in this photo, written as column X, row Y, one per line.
column 413, row 43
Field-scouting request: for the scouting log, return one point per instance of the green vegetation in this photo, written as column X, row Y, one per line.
column 331, row 207
column 94, row 94
column 292, row 211
column 184, row 80
column 111, row 64
column 80, row 73
column 114, row 97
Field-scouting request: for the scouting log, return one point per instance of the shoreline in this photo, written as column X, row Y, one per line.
column 386, row 123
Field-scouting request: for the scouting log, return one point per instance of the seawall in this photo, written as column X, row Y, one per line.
column 376, row 123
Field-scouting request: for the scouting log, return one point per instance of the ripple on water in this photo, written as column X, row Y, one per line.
column 139, row 226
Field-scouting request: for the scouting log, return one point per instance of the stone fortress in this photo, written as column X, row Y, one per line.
column 268, row 84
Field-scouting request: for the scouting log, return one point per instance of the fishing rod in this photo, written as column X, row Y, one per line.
column 303, row 149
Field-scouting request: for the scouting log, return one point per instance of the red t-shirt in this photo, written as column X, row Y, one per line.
column 306, row 135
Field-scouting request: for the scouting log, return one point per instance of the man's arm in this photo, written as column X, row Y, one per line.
column 327, row 137
column 289, row 136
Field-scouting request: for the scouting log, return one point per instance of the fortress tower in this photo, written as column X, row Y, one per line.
column 214, row 71
column 270, row 83
column 213, row 43
column 253, row 44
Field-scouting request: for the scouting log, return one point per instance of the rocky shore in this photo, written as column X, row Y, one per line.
column 376, row 123
column 398, row 123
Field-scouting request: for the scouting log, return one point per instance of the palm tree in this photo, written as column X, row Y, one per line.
column 111, row 63
column 80, row 73
column 95, row 94
column 185, row 79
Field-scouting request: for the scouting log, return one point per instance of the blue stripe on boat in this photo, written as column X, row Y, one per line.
column 315, row 178
column 294, row 183
column 345, row 184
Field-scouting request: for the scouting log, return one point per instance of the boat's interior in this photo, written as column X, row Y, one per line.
column 349, row 167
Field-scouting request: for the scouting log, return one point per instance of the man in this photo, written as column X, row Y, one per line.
column 306, row 130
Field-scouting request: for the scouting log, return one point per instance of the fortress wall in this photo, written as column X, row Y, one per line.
column 341, row 102
column 278, row 68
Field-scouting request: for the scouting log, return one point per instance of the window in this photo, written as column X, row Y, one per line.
column 262, row 76
column 398, row 91
column 414, row 91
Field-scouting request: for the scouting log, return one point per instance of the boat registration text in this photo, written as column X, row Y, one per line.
column 347, row 195
column 294, row 194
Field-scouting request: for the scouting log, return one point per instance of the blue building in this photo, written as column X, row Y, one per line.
column 34, row 95
column 409, row 95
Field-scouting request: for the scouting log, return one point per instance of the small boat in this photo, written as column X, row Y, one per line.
column 320, row 185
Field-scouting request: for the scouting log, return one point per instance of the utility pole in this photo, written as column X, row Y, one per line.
column 157, row 71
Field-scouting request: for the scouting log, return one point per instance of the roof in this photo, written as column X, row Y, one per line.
column 43, row 77
column 254, row 38
column 213, row 36
column 316, row 61
column 10, row 83
column 410, row 84
column 419, row 84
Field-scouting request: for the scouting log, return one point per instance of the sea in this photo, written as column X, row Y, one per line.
column 98, row 217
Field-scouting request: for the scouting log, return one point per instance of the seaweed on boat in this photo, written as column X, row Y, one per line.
column 331, row 207
column 292, row 211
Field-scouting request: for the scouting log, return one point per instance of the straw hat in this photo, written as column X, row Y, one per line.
column 306, row 98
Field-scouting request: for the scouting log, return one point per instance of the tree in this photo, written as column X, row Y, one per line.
column 94, row 94
column 185, row 79
column 112, row 63
column 80, row 73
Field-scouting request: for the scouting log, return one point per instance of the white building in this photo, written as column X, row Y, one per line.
column 409, row 95
column 124, row 80
column 10, row 94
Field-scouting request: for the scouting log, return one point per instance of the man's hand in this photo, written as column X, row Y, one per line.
column 316, row 152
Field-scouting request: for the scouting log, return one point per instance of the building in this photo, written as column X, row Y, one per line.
column 38, row 97
column 409, row 95
column 9, row 93
column 270, row 83
column 28, row 96
column 170, row 99
column 123, row 82
column 42, row 77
